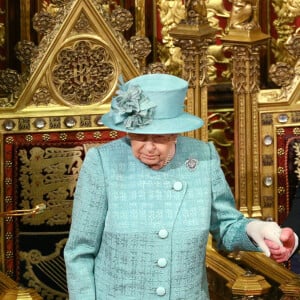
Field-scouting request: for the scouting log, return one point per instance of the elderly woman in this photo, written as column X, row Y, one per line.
column 146, row 203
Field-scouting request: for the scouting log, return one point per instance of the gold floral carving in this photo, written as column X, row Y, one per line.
column 140, row 48
column 282, row 74
column 121, row 19
column 83, row 72
column 25, row 52
column 42, row 96
column 10, row 83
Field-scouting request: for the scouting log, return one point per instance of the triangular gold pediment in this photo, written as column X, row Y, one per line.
column 78, row 64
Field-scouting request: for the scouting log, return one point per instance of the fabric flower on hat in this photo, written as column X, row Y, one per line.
column 131, row 107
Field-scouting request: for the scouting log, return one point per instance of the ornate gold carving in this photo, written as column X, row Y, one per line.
column 49, row 175
column 10, row 83
column 246, row 74
column 246, row 58
column 43, row 22
column 267, row 160
column 121, row 19
column 83, row 72
column 25, row 51
column 242, row 284
column 24, row 124
column 55, row 14
column 193, row 36
column 244, row 15
column 267, row 119
column 286, row 12
column 157, row 67
column 196, row 12
column 140, row 48
column 51, row 266
column 295, row 116
column 268, row 201
column 42, row 96
column 216, row 7
column 171, row 13
column 293, row 44
column 79, row 19
column 194, row 54
column 220, row 132
column 282, row 74
column 83, row 25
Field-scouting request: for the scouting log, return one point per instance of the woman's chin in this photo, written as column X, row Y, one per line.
column 152, row 163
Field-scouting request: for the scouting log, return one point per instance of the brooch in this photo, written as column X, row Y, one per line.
column 191, row 164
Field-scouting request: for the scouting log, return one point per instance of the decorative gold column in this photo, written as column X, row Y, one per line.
column 246, row 41
column 193, row 35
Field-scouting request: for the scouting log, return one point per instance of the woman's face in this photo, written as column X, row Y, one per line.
column 154, row 150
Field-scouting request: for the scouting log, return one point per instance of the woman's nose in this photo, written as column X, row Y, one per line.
column 149, row 145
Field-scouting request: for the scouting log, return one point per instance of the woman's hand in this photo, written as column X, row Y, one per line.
column 260, row 231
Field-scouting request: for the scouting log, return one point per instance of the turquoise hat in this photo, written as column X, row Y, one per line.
column 151, row 104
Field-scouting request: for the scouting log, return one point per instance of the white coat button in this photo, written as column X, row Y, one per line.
column 163, row 233
column 162, row 262
column 160, row 291
column 177, row 186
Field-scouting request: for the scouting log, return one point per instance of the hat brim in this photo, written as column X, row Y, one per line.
column 182, row 123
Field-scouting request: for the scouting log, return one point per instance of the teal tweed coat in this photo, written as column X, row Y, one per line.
column 138, row 233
